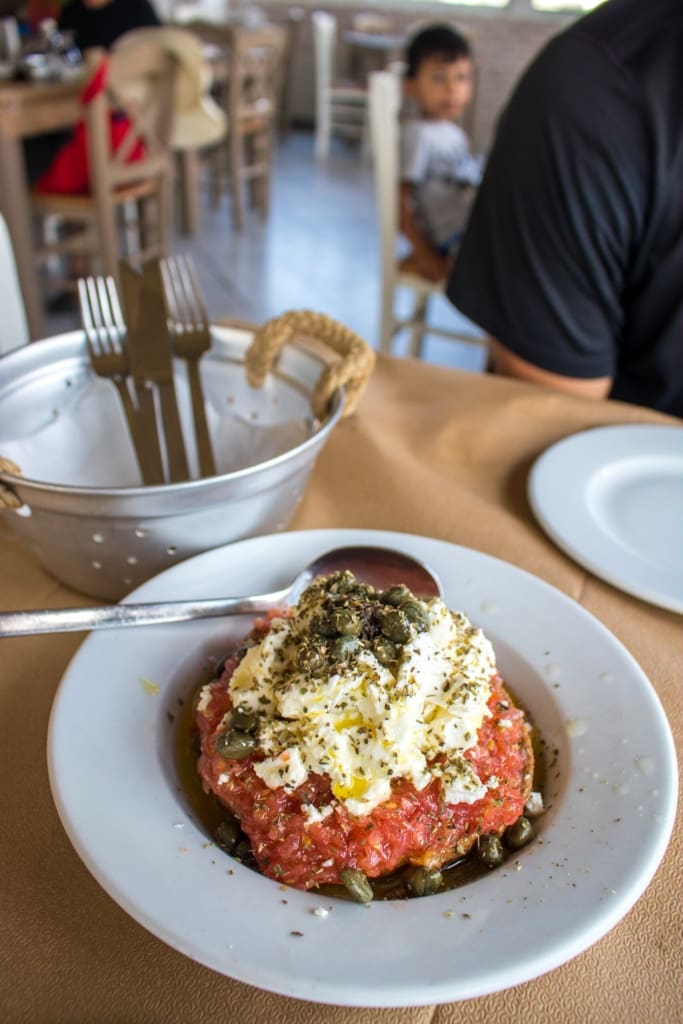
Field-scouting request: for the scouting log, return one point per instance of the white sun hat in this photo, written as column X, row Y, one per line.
column 198, row 120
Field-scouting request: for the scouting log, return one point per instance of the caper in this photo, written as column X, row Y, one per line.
column 396, row 626
column 324, row 625
column 310, row 659
column 345, row 646
column 386, row 651
column 357, row 885
column 422, row 881
column 243, row 721
column 243, row 853
column 342, row 582
column 396, row 595
column 490, row 850
column 228, row 834
column 416, row 613
column 346, row 622
column 235, row 745
column 518, row 835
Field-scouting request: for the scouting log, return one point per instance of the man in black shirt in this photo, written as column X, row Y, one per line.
column 573, row 257
column 101, row 22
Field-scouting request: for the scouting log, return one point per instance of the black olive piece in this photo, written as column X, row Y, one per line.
column 243, row 721
column 490, row 850
column 396, row 595
column 196, row 743
column 356, row 884
column 228, row 835
column 417, row 614
column 235, row 745
column 519, row 834
column 396, row 626
column 421, row 881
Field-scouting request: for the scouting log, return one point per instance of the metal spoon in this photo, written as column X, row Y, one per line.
column 379, row 566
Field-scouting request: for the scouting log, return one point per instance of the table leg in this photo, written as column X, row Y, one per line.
column 15, row 208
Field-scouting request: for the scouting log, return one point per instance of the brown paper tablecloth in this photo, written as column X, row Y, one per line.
column 430, row 451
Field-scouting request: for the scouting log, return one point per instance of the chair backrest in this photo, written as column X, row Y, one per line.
column 256, row 57
column 324, row 43
column 13, row 325
column 384, row 107
column 139, row 86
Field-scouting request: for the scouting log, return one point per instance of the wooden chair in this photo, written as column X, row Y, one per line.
column 198, row 121
column 385, row 101
column 340, row 106
column 250, row 99
column 126, row 214
column 13, row 325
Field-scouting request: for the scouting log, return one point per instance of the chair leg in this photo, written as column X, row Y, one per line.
column 236, row 144
column 215, row 163
column 418, row 330
column 263, row 155
column 387, row 327
column 323, row 129
column 164, row 207
column 108, row 249
column 187, row 168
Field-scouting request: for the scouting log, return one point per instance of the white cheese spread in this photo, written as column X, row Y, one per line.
column 362, row 722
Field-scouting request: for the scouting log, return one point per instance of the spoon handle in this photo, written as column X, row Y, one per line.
column 71, row 620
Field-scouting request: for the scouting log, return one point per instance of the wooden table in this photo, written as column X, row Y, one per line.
column 429, row 451
column 29, row 108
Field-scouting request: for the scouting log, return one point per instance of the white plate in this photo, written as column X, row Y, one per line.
column 611, row 789
column 612, row 498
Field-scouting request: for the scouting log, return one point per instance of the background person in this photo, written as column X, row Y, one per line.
column 436, row 159
column 101, row 22
column 573, row 256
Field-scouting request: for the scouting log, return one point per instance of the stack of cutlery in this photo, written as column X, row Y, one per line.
column 132, row 339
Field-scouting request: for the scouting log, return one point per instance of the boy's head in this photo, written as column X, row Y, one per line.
column 439, row 73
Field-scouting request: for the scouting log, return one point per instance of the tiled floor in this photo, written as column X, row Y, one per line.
column 318, row 250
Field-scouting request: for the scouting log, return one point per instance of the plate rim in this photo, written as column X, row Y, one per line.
column 320, row 990
column 537, row 493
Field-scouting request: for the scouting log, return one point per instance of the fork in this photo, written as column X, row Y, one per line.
column 189, row 329
column 105, row 333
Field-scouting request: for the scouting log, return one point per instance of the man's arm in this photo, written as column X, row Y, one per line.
column 506, row 363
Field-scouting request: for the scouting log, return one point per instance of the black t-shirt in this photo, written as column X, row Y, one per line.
column 102, row 26
column 573, row 257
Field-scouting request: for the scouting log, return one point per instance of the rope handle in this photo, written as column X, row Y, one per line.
column 351, row 371
column 8, row 498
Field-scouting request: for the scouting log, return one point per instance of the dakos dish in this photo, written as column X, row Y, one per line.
column 364, row 742
column 128, row 807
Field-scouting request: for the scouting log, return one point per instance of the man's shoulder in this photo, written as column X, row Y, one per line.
column 620, row 38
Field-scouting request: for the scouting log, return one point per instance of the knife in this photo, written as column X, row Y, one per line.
column 149, row 455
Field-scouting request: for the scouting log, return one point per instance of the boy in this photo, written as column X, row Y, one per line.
column 436, row 161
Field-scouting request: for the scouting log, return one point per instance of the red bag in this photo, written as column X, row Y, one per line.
column 68, row 173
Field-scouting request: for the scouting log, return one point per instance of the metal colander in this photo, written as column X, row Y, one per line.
column 84, row 511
